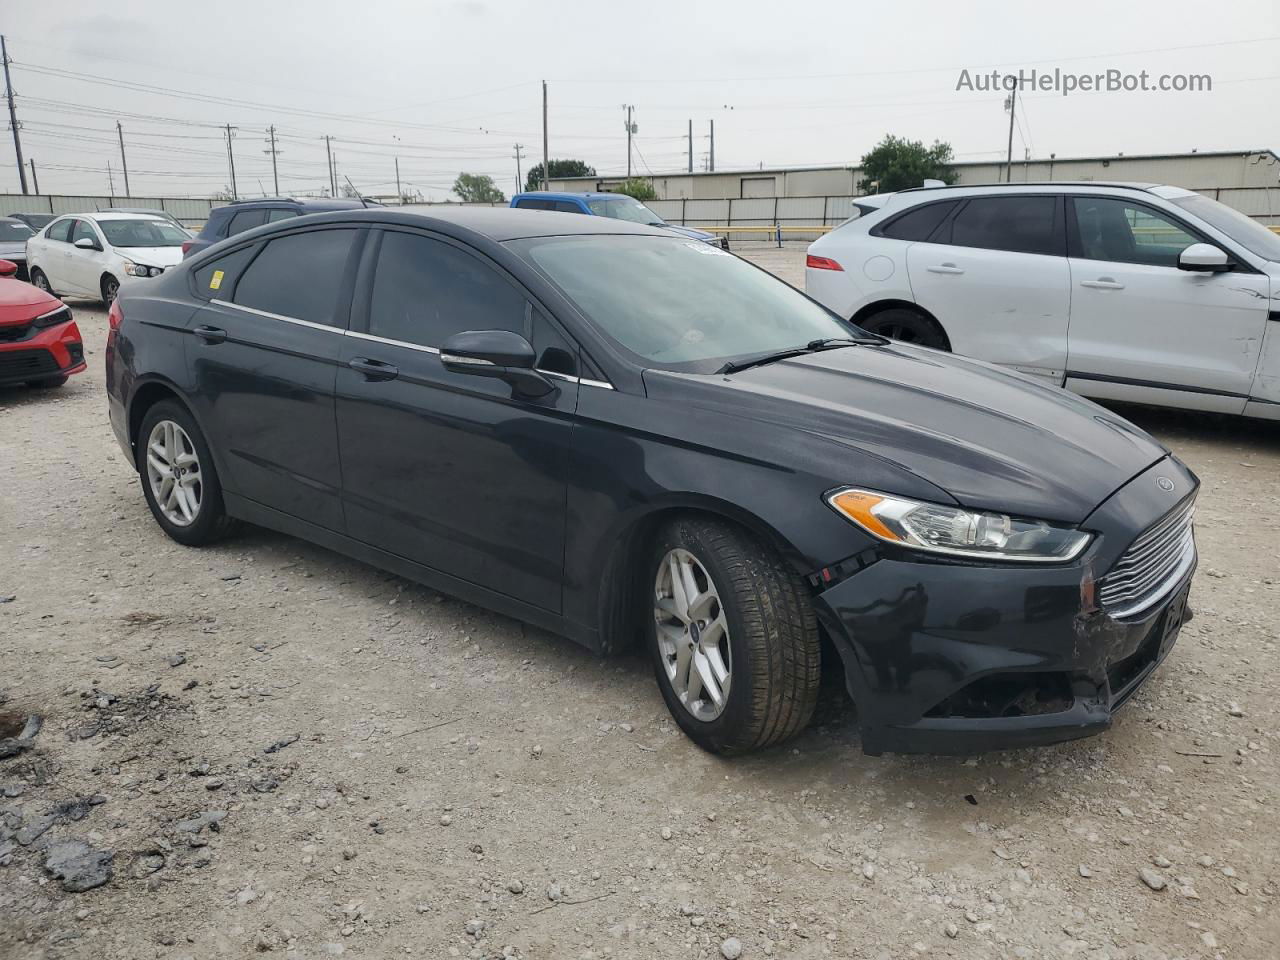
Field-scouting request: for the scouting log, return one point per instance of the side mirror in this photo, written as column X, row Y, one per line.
column 8, row 268
column 85, row 243
column 1204, row 258
column 496, row 353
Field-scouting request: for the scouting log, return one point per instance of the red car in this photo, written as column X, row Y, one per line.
column 40, row 344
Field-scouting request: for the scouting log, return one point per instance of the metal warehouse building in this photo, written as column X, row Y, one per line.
column 1247, row 180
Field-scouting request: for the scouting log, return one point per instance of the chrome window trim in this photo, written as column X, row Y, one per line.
column 391, row 343
column 278, row 316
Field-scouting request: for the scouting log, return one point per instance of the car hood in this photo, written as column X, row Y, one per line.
column 991, row 439
column 20, row 301
column 152, row 256
column 689, row 232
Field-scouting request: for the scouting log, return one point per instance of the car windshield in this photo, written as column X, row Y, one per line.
column 624, row 208
column 680, row 304
column 1244, row 230
column 142, row 233
column 14, row 231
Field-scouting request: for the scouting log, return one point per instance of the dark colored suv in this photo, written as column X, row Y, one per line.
column 241, row 215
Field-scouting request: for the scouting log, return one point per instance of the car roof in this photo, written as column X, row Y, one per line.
column 316, row 203
column 552, row 195
column 496, row 223
column 117, row 215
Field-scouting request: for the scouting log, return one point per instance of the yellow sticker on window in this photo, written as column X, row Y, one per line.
column 216, row 280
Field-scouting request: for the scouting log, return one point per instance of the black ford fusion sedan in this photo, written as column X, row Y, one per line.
column 625, row 436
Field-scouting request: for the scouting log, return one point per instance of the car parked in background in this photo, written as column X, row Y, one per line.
column 35, row 221
column 241, row 215
column 91, row 255
column 617, row 206
column 622, row 434
column 13, row 244
column 1119, row 291
column 40, row 343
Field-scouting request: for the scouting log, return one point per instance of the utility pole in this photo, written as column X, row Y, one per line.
column 546, row 161
column 328, row 149
column 124, row 164
column 399, row 193
column 35, row 183
column 13, row 115
column 275, row 176
column 1012, row 104
column 111, row 181
column 231, row 163
column 630, row 130
column 519, row 182
column 711, row 155
column 691, row 145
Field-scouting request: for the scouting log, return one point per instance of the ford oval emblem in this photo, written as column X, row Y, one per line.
column 1164, row 483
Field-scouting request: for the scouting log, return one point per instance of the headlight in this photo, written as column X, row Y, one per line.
column 957, row 532
column 138, row 270
column 53, row 317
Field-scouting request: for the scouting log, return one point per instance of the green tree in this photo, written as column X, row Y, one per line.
column 896, row 163
column 559, row 170
column 639, row 188
column 477, row 188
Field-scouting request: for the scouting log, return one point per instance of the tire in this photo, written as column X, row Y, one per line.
column 909, row 326
column 41, row 282
column 207, row 522
column 110, row 287
column 48, row 383
column 771, row 654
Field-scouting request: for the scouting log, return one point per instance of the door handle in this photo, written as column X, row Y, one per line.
column 210, row 334
column 1102, row 283
column 374, row 370
column 945, row 268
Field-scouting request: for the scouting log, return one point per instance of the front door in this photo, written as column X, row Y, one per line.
column 995, row 275
column 264, row 353
column 452, row 471
column 1146, row 331
column 85, row 266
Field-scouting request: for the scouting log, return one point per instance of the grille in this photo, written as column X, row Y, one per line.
column 1152, row 565
column 21, row 363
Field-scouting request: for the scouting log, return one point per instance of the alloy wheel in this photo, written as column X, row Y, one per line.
column 41, row 282
column 693, row 635
column 173, row 471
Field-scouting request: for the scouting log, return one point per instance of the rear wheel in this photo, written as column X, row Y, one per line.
column 40, row 281
column 110, row 287
column 179, row 479
column 733, row 637
column 909, row 326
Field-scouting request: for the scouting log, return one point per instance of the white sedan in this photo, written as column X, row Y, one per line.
column 91, row 254
column 1118, row 291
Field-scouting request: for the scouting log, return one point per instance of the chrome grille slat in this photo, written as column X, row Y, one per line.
column 1152, row 564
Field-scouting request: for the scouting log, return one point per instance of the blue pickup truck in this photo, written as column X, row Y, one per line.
column 616, row 205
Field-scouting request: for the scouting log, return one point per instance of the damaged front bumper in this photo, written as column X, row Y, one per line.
column 946, row 657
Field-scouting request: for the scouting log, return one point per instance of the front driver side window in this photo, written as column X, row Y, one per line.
column 83, row 231
column 1118, row 231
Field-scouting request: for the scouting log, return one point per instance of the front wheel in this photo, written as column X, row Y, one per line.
column 110, row 289
column 179, row 479
column 41, row 282
column 733, row 637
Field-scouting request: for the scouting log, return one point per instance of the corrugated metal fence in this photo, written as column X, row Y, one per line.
column 189, row 210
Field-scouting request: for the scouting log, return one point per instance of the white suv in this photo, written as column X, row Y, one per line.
column 1136, row 292
column 92, row 254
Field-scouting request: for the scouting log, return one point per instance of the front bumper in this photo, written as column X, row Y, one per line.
column 43, row 355
column 957, row 658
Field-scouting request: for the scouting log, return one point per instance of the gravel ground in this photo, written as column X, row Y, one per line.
column 266, row 747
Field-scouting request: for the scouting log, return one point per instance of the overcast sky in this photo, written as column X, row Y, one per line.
column 454, row 85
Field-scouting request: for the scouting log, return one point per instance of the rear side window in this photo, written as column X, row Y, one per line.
column 246, row 220
column 1020, row 224
column 216, row 280
column 425, row 290
column 61, row 231
column 919, row 223
column 529, row 203
column 274, row 215
column 299, row 275
column 565, row 206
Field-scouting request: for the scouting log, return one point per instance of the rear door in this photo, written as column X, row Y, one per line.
column 995, row 275
column 49, row 251
column 264, row 353
column 1144, row 330
column 452, row 471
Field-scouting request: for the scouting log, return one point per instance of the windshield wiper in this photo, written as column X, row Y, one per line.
column 813, row 346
